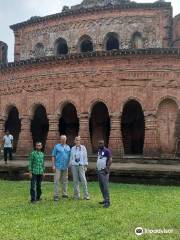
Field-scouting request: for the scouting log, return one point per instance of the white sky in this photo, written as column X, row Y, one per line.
column 14, row 11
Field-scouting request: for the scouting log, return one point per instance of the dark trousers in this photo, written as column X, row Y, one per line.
column 103, row 178
column 7, row 150
column 35, row 189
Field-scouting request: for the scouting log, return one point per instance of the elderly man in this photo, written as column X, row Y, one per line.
column 60, row 163
column 104, row 161
column 79, row 162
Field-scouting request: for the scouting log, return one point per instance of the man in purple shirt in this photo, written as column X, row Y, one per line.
column 104, row 161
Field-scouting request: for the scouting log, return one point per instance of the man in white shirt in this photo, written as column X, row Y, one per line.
column 8, row 145
column 104, row 161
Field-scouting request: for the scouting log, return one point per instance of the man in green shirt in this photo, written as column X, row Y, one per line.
column 36, row 172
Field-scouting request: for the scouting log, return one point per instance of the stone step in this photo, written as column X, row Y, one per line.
column 164, row 174
column 123, row 159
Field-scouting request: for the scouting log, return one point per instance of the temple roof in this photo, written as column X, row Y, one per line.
column 93, row 6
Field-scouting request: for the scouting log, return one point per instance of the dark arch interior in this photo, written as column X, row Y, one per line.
column 40, row 126
column 13, row 124
column 99, row 125
column 112, row 42
column 86, row 45
column 69, row 123
column 133, row 128
column 62, row 47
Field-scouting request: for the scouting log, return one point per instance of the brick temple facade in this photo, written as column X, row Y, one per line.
column 100, row 69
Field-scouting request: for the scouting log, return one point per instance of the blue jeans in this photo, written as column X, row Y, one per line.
column 35, row 189
column 7, row 150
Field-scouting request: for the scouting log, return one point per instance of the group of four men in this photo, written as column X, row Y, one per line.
column 64, row 157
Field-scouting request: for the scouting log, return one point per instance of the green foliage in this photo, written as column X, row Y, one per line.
column 131, row 206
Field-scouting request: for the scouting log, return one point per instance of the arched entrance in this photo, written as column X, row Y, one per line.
column 61, row 47
column 39, row 125
column 166, row 121
column 99, row 125
column 69, row 123
column 13, row 124
column 86, row 44
column 111, row 41
column 133, row 128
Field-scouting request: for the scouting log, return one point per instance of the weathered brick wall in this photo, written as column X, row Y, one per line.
column 154, row 25
column 114, row 80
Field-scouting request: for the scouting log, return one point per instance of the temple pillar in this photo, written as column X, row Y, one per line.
column 115, row 138
column 84, row 131
column 2, row 129
column 53, row 136
column 151, row 136
column 25, row 142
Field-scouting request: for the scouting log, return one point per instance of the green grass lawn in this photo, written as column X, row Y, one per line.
column 132, row 206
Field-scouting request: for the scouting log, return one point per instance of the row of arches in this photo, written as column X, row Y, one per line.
column 85, row 44
column 132, row 125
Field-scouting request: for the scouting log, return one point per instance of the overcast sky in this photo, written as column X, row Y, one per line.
column 14, row 11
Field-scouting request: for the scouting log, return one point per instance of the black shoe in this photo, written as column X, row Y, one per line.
column 102, row 202
column 56, row 198
column 39, row 199
column 64, row 196
column 106, row 205
column 5, row 162
column 33, row 201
